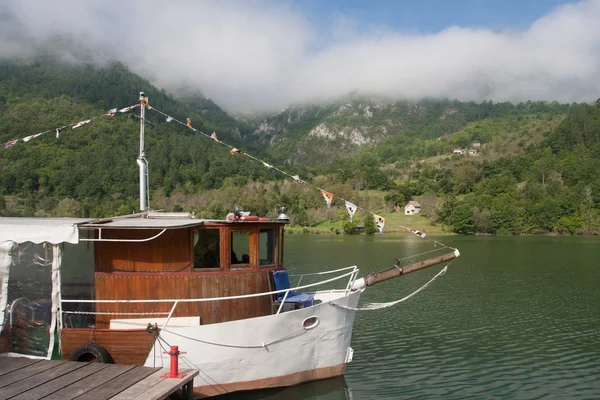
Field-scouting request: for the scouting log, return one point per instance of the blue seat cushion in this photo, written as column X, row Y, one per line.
column 303, row 298
column 282, row 282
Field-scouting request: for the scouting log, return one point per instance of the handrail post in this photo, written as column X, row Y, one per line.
column 283, row 301
column 170, row 314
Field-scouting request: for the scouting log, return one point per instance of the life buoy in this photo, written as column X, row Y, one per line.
column 91, row 352
column 231, row 217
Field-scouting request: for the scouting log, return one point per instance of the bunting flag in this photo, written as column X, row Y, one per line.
column 380, row 221
column 189, row 123
column 169, row 119
column 297, row 178
column 236, row 151
column 267, row 166
column 58, row 131
column 328, row 197
column 213, row 136
column 351, row 208
column 126, row 109
column 420, row 234
column 77, row 125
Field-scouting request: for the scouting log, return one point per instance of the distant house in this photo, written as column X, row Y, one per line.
column 412, row 208
column 458, row 150
column 473, row 152
column 476, row 145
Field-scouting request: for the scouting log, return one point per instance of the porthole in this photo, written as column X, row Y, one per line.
column 310, row 323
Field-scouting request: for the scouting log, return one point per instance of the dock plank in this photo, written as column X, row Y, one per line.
column 91, row 382
column 35, row 381
column 27, row 371
column 165, row 387
column 140, row 387
column 27, row 379
column 10, row 364
column 120, row 383
column 50, row 387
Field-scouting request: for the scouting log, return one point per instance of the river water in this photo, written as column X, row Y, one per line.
column 514, row 318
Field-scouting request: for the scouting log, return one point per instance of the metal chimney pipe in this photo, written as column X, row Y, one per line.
column 141, row 160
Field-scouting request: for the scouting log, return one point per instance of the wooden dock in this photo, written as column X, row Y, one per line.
column 29, row 379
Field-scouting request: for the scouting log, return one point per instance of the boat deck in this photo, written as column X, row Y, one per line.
column 24, row 378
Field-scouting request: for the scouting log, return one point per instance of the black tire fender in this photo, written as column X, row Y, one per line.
column 91, row 352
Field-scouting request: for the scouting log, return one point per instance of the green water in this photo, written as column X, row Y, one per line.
column 514, row 318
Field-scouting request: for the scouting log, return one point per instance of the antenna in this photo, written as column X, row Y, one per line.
column 141, row 160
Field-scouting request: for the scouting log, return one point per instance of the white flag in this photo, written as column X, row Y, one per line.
column 351, row 209
column 380, row 221
column 169, row 119
column 87, row 121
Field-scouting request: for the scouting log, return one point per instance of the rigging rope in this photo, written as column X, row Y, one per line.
column 233, row 150
column 379, row 306
column 112, row 112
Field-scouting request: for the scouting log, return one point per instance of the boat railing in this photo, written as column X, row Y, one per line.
column 351, row 275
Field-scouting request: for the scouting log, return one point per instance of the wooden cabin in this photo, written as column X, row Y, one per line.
column 171, row 258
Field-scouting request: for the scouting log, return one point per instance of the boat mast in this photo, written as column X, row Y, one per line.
column 141, row 160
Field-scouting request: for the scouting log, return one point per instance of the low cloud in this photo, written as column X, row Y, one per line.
column 258, row 56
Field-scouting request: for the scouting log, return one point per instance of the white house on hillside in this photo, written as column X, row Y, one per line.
column 412, row 208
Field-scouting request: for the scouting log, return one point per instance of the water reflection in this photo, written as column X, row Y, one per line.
column 328, row 389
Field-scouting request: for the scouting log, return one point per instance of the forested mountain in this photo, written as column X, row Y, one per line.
column 305, row 135
column 94, row 165
column 533, row 167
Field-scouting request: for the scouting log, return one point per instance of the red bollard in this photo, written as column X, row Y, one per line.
column 174, row 372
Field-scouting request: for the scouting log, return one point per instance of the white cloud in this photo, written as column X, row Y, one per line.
column 261, row 55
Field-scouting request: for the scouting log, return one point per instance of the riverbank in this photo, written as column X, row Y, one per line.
column 393, row 225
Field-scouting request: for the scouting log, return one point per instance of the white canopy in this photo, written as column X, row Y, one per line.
column 39, row 230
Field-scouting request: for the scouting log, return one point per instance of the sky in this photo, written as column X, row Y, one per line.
column 264, row 55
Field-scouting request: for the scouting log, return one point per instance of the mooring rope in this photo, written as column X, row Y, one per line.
column 379, row 306
column 255, row 346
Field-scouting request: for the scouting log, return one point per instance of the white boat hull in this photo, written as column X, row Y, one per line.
column 270, row 351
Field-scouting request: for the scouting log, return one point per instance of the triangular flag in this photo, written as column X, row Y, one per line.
column 236, row 151
column 111, row 112
column 28, row 138
column 351, row 208
column 124, row 110
column 169, row 119
column 380, row 221
column 214, row 137
column 328, row 197
column 267, row 166
column 10, row 144
column 297, row 178
column 37, row 134
column 87, row 121
column 189, row 123
column 57, row 132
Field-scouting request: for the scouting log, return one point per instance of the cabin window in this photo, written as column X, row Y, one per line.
column 206, row 248
column 240, row 247
column 266, row 243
